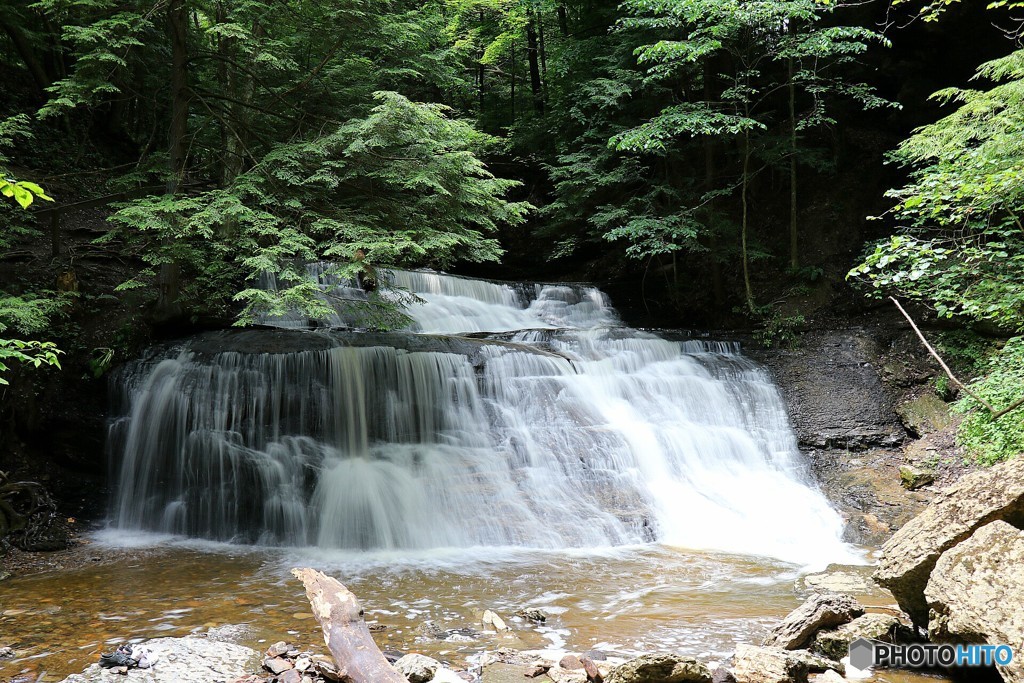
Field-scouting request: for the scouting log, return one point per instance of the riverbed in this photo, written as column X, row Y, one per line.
column 621, row 601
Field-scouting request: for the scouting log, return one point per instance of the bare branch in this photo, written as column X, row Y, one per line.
column 995, row 414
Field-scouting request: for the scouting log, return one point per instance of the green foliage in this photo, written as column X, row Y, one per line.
column 779, row 330
column 961, row 246
column 26, row 314
column 34, row 353
column 989, row 441
column 966, row 352
column 402, row 186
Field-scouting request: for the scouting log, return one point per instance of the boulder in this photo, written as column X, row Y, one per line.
column 660, row 667
column 767, row 665
column 976, row 593
column 913, row 478
column 908, row 558
column 821, row 610
column 926, row 413
column 184, row 659
column 836, row 644
column 417, row 668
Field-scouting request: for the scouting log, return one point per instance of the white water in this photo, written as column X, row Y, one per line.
column 580, row 433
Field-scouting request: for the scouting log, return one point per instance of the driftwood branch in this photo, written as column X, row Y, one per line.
column 358, row 658
column 995, row 414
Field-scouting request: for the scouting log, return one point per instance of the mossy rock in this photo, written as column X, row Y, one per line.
column 924, row 414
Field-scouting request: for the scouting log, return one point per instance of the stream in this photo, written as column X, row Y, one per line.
column 516, row 447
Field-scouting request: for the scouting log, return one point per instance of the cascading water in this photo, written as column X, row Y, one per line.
column 560, row 429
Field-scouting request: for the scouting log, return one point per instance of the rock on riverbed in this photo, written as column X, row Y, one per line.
column 182, row 659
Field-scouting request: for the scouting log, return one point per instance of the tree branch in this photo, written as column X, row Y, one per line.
column 995, row 414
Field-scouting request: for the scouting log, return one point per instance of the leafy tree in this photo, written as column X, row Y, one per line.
column 26, row 314
column 743, row 54
column 960, row 249
column 402, row 186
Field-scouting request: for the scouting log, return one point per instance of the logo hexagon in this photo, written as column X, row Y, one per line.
column 862, row 653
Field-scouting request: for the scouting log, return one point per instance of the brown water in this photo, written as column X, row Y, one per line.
column 622, row 601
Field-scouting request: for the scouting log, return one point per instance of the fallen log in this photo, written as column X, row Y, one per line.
column 358, row 658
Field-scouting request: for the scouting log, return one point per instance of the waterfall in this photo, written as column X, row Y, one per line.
column 561, row 428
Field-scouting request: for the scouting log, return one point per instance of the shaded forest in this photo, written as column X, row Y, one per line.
column 752, row 164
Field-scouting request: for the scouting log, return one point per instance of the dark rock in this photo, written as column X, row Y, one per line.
column 833, row 390
column 533, row 614
column 722, row 675
column 596, row 655
column 570, row 662
column 821, row 610
column 393, row 655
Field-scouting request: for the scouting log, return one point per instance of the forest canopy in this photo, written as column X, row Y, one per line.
column 722, row 157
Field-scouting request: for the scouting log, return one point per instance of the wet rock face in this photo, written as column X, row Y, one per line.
column 184, row 659
column 976, row 592
column 909, row 557
column 833, row 391
column 926, row 413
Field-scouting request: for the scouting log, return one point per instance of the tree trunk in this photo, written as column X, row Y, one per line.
column 543, row 54
column 745, row 222
column 532, row 54
column 512, row 78
column 710, row 176
column 28, row 56
column 358, row 658
column 480, row 76
column 563, row 21
column 168, row 305
column 794, row 252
